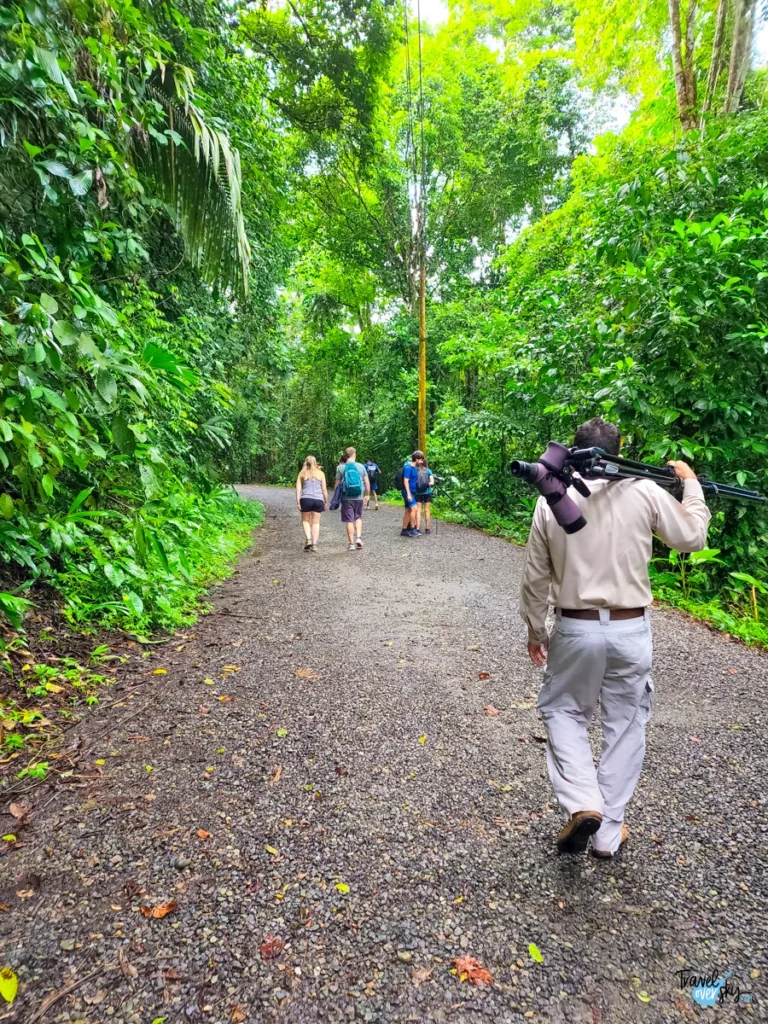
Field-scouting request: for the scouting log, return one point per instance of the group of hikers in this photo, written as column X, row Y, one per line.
column 355, row 484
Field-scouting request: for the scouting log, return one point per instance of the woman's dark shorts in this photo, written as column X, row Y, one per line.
column 312, row 505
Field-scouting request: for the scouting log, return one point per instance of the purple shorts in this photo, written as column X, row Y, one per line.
column 351, row 510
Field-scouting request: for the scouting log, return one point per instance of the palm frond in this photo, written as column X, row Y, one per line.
column 199, row 178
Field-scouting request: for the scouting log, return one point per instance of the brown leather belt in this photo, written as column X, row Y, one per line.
column 593, row 613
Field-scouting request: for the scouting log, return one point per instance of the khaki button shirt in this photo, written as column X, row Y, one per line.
column 605, row 565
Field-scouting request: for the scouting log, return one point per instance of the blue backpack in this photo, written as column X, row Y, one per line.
column 352, row 482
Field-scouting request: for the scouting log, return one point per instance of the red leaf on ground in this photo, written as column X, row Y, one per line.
column 159, row 911
column 483, row 675
column 205, row 711
column 471, row 970
column 203, row 834
column 489, row 709
column 271, row 946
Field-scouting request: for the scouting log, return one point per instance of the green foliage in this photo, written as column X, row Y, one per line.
column 128, row 344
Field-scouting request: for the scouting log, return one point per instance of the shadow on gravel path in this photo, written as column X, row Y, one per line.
column 319, row 765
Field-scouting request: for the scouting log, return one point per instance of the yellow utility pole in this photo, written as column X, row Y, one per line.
column 422, row 350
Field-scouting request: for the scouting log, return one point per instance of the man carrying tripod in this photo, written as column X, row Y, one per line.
column 597, row 581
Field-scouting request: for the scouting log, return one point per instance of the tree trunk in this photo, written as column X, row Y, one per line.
column 741, row 51
column 685, row 78
column 717, row 56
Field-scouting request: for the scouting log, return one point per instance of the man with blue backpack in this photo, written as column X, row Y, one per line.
column 355, row 488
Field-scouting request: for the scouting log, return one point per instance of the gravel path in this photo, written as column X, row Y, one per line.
column 357, row 801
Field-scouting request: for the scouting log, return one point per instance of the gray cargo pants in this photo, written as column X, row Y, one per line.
column 587, row 660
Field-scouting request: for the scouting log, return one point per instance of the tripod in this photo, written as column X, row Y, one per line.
column 596, row 464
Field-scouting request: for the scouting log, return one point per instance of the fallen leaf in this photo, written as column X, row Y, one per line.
column 18, row 810
column 225, row 697
column 3, row 906
column 733, row 671
column 489, row 709
column 276, row 774
column 281, row 733
column 53, row 688
column 692, row 818
column 204, row 711
column 471, row 970
column 238, row 1014
column 159, row 911
column 203, row 834
column 9, row 838
column 25, row 894
column 271, row 946
column 423, row 739
column 100, row 761
column 643, row 997
column 535, row 953
column 160, row 672
column 231, row 668
column 272, row 850
column 9, row 984
column 148, row 768
column 342, row 887
column 209, row 682
column 420, row 975
column 306, row 673
column 694, row 739
column 483, row 675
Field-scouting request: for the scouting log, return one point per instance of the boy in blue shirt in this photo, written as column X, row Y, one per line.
column 410, row 480
column 373, row 470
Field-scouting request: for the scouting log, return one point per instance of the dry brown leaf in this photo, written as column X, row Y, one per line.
column 489, row 709
column 471, row 970
column 276, row 774
column 694, row 739
column 3, row 906
column 420, row 975
column 25, row 894
column 238, row 1014
column 483, row 675
column 205, row 711
column 129, row 971
column 306, row 673
column 159, row 911
column 203, row 834
column 271, row 946
column 18, row 810
column 225, row 697
column 230, row 668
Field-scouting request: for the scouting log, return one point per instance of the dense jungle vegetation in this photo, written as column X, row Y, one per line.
column 211, row 216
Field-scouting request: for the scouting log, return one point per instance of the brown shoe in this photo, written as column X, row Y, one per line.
column 574, row 837
column 606, row 854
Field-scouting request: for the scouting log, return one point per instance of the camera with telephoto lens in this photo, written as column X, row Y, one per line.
column 553, row 473
column 551, row 476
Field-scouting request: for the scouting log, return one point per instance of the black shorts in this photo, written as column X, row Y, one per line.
column 312, row 505
column 423, row 499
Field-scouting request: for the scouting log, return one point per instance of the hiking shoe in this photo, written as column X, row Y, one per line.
column 352, row 547
column 574, row 837
column 606, row 854
column 314, row 548
column 415, row 533
column 359, row 542
column 307, row 547
column 427, row 530
column 405, row 533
